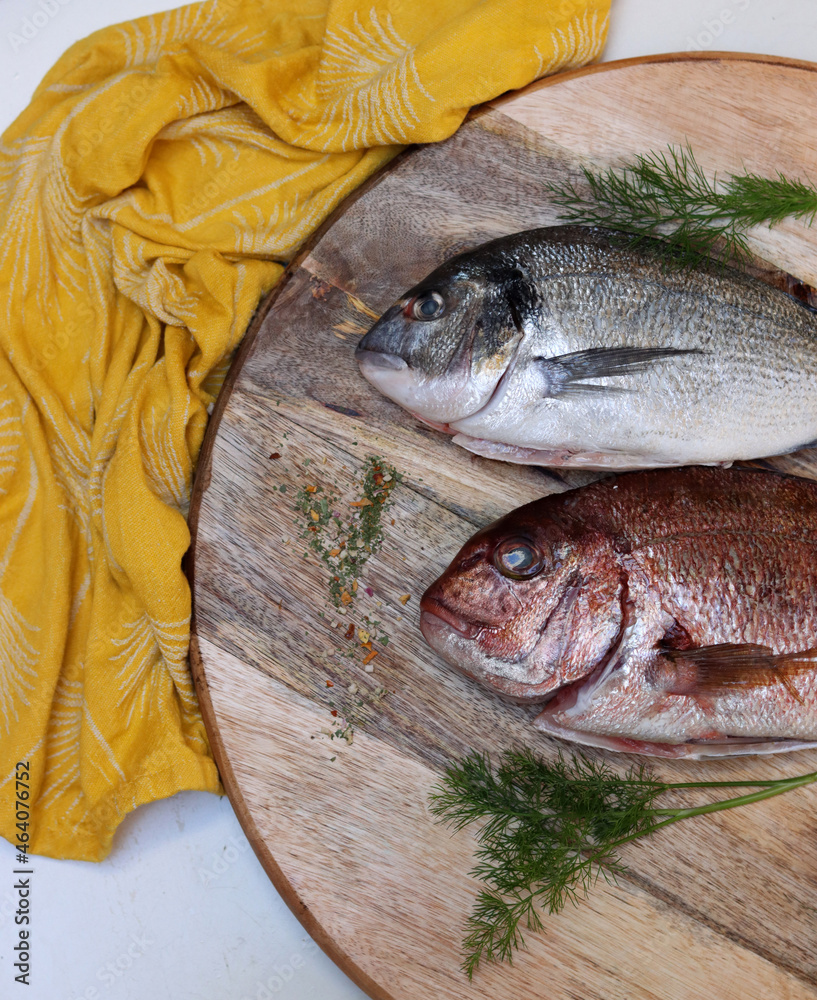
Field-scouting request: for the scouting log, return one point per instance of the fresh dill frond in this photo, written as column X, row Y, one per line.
column 668, row 195
column 754, row 200
column 551, row 829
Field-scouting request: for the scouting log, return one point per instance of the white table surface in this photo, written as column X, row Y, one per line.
column 182, row 909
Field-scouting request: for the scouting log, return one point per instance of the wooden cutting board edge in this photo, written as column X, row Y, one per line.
column 202, row 478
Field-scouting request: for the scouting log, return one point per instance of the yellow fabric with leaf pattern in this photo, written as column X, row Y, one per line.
column 164, row 172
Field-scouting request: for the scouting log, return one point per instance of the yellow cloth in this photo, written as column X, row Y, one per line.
column 164, row 172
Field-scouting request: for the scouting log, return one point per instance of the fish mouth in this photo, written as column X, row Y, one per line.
column 435, row 400
column 452, row 637
column 436, row 618
column 378, row 360
column 443, row 399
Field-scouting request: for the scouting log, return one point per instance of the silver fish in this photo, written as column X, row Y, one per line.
column 567, row 347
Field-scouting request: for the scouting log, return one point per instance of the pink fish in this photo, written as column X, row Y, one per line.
column 671, row 613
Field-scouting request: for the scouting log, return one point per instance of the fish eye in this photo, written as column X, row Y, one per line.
column 429, row 305
column 518, row 559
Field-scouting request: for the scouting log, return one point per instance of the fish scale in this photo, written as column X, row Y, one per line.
column 721, row 366
column 661, row 612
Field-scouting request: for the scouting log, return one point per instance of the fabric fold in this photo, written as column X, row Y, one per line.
column 150, row 195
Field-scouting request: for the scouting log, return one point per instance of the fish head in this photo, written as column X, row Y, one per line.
column 441, row 350
column 527, row 606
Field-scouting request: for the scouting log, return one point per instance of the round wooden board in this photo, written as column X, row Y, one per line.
column 720, row 906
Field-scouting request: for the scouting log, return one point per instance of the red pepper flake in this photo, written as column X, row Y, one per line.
column 354, row 586
column 275, row 454
column 365, row 502
column 334, row 712
column 334, row 552
column 330, row 684
column 346, row 597
column 311, row 489
column 350, row 632
column 369, row 656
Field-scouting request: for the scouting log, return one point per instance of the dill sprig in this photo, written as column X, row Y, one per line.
column 668, row 195
column 551, row 829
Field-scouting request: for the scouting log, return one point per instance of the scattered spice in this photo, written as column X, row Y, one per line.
column 344, row 732
column 343, row 533
column 275, row 454
column 405, row 598
column 344, row 543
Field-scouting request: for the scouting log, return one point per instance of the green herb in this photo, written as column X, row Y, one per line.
column 668, row 195
column 345, row 541
column 552, row 829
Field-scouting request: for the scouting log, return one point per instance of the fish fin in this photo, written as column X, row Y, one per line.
column 574, row 390
column 728, row 666
column 725, row 746
column 565, row 373
column 561, row 458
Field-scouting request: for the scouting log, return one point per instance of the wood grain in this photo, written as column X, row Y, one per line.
column 726, row 903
